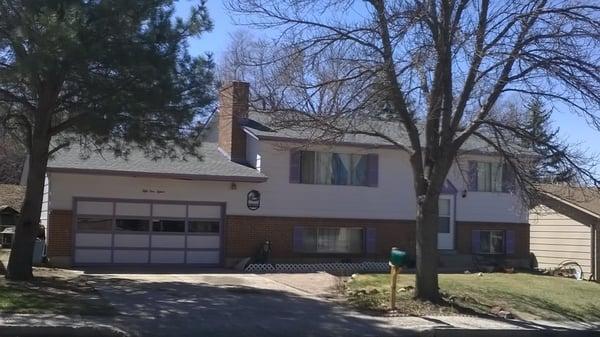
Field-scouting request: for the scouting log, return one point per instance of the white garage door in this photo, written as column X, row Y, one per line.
column 147, row 232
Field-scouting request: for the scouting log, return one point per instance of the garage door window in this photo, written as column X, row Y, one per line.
column 102, row 224
column 172, row 226
column 133, row 225
column 203, row 226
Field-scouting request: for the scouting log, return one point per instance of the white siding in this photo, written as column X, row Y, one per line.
column 555, row 238
column 393, row 198
column 252, row 152
column 45, row 200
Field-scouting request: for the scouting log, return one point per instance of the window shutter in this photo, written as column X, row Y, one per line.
column 472, row 176
column 508, row 178
column 298, row 239
column 510, row 242
column 372, row 169
column 475, row 241
column 295, row 162
column 371, row 240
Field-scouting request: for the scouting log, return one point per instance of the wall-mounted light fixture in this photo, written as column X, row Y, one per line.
column 464, row 193
column 233, row 186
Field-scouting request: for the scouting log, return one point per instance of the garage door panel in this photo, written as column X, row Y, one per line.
column 169, row 210
column 93, row 240
column 198, row 241
column 132, row 240
column 167, row 256
column 203, row 256
column 132, row 209
column 130, row 256
column 92, row 255
column 124, row 231
column 204, row 212
column 94, row 208
column 168, row 241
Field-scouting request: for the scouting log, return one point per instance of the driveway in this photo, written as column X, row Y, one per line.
column 226, row 304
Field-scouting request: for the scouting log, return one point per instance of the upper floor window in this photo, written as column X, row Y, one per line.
column 490, row 177
column 329, row 168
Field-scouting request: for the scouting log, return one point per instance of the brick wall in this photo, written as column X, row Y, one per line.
column 60, row 233
column 464, row 229
column 245, row 234
column 233, row 109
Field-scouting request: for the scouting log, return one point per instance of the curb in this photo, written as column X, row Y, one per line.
column 456, row 332
column 64, row 331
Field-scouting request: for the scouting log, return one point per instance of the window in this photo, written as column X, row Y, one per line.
column 489, row 177
column 330, row 240
column 168, row 226
column 333, row 168
column 491, row 242
column 444, row 216
column 94, row 224
column 134, row 225
column 203, row 226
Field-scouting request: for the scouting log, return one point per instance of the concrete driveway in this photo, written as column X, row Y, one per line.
column 226, row 304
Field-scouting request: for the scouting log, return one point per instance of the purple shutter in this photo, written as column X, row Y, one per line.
column 371, row 240
column 510, row 242
column 295, row 162
column 298, row 239
column 372, row 169
column 472, row 176
column 508, row 178
column 475, row 241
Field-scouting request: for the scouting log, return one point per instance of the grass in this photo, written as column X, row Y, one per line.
column 52, row 295
column 526, row 296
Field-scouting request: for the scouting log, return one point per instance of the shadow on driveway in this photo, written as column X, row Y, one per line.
column 233, row 305
column 201, row 309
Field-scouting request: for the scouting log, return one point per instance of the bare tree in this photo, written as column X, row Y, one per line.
column 437, row 69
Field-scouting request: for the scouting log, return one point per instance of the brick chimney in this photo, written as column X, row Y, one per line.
column 233, row 111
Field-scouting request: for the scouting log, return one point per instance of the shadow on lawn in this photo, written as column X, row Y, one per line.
column 531, row 305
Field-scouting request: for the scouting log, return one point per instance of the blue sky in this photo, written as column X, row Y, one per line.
column 573, row 128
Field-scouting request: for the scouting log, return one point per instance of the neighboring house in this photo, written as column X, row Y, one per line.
column 11, row 200
column 352, row 200
column 564, row 227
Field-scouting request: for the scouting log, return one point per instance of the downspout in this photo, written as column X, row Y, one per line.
column 593, row 249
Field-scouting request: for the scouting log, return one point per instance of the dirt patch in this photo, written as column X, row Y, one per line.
column 53, row 290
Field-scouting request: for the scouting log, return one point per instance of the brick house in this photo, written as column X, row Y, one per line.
column 352, row 200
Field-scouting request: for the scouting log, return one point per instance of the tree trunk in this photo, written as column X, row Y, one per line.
column 426, row 285
column 20, row 262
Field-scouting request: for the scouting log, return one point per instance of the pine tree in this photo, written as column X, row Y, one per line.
column 110, row 74
column 544, row 140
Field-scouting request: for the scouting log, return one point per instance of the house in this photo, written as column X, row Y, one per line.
column 564, row 227
column 347, row 200
column 11, row 200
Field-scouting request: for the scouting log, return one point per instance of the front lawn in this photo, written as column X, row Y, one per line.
column 526, row 296
column 52, row 293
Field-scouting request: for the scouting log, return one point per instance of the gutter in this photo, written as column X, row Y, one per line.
column 197, row 177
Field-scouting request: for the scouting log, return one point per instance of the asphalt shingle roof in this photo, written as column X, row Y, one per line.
column 267, row 125
column 11, row 196
column 213, row 165
column 587, row 198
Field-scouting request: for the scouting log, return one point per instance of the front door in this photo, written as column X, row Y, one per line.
column 446, row 223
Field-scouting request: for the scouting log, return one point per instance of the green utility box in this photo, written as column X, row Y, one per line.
column 397, row 257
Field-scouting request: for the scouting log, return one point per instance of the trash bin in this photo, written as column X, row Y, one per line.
column 39, row 251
